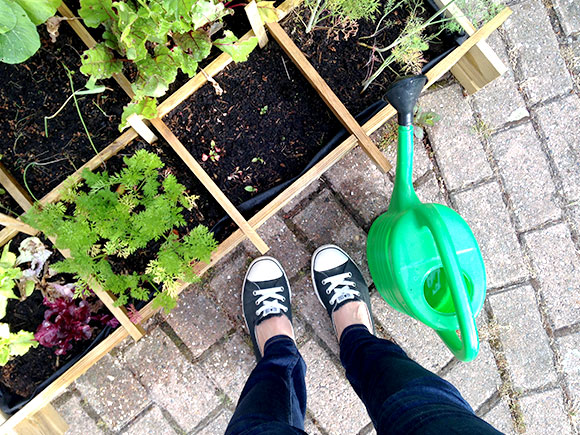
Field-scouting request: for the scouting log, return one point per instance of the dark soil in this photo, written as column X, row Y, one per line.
column 344, row 64
column 268, row 123
column 207, row 212
column 8, row 205
column 38, row 88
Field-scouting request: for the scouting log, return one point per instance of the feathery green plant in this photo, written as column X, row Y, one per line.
column 355, row 10
column 113, row 217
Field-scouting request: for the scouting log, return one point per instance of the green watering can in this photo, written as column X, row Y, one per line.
column 423, row 258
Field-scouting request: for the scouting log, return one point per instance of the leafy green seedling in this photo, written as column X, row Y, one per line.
column 424, row 119
column 264, row 110
column 250, row 189
column 258, row 160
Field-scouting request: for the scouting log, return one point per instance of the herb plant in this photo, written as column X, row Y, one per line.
column 333, row 10
column 159, row 37
column 18, row 20
column 110, row 218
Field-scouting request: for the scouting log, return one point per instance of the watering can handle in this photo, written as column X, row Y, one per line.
column 467, row 347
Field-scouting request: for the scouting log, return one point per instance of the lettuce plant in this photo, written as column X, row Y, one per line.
column 113, row 218
column 160, row 37
column 18, row 20
column 14, row 344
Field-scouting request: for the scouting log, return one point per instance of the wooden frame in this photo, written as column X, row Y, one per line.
column 247, row 228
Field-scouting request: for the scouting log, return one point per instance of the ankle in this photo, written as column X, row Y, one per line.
column 271, row 327
column 352, row 313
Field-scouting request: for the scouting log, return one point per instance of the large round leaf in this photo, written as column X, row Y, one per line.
column 22, row 41
column 39, row 10
column 7, row 17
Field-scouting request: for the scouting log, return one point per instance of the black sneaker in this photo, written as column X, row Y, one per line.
column 337, row 280
column 265, row 293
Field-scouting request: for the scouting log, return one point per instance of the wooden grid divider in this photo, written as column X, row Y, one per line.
column 18, row 225
column 210, row 185
column 15, row 190
column 329, row 97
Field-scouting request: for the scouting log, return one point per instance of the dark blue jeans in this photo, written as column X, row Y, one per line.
column 401, row 397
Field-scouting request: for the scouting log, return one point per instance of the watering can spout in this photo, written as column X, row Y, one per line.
column 403, row 95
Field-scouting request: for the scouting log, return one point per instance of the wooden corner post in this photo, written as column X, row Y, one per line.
column 480, row 65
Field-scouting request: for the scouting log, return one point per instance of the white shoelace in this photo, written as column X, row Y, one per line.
column 269, row 298
column 341, row 287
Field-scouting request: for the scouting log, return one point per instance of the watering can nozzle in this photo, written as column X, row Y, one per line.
column 403, row 95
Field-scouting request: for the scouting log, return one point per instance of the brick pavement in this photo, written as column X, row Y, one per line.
column 516, row 181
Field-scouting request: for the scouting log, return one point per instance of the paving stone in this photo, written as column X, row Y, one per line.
column 575, row 218
column 307, row 304
column 310, row 428
column 419, row 341
column 544, row 413
column 568, row 12
column 152, row 422
column 477, row 380
column 308, row 190
column 569, row 347
column 226, row 283
column 361, row 184
column 500, row 101
column 453, row 138
column 198, row 321
column 229, row 364
column 500, row 417
column 559, row 123
column 486, row 214
column 526, row 344
column 174, row 383
column 284, row 246
column 558, row 271
column 79, row 422
column 345, row 413
column 571, row 53
column 325, row 221
column 113, row 392
column 218, row 424
column 526, row 176
column 430, row 191
column 536, row 51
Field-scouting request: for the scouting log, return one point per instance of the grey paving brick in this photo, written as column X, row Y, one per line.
column 526, row 176
column 308, row 190
column 571, row 53
column 79, row 422
column 486, row 214
column 453, row 138
column 535, row 49
column 229, row 364
column 284, row 246
column 500, row 101
column 557, row 264
column 226, row 283
column 568, row 12
column 479, row 379
column 344, row 413
column 526, row 344
column 198, row 321
column 559, row 123
column 171, row 380
column 218, row 424
column 151, row 423
column 419, row 341
column 545, row 413
column 569, row 347
column 325, row 221
column 500, row 417
column 575, row 218
column 307, row 304
column 361, row 184
column 430, row 191
column 113, row 392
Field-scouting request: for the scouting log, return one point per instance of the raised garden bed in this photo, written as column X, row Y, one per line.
column 212, row 181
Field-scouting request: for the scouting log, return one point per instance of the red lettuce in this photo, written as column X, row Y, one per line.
column 64, row 321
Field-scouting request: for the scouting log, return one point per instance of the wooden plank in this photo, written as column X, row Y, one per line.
column 9, row 221
column 140, row 127
column 14, row 188
column 46, row 421
column 329, row 97
column 481, row 64
column 210, row 185
column 253, row 15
